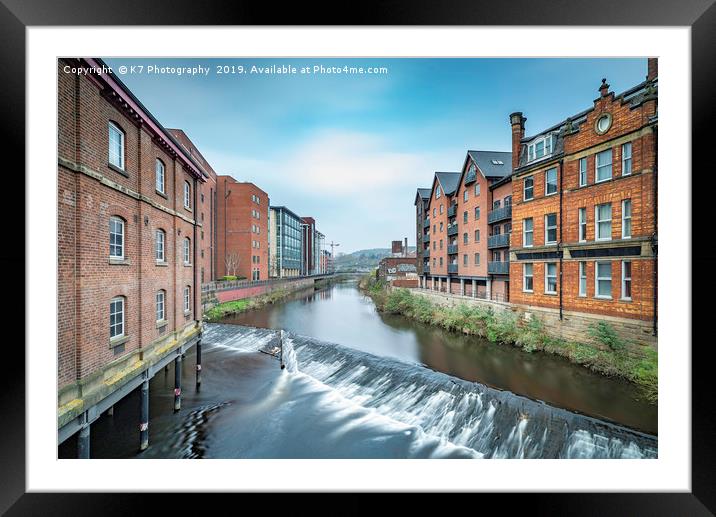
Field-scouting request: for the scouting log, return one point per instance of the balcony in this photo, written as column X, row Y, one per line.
column 498, row 268
column 498, row 241
column 452, row 268
column 452, row 210
column 452, row 230
column 452, row 249
column 500, row 214
column 426, row 269
column 426, row 223
column 426, row 237
column 426, row 252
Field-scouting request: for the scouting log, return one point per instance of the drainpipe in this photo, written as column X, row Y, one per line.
column 656, row 222
column 561, row 253
column 196, row 215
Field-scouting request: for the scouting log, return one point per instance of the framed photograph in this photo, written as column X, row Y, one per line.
column 430, row 251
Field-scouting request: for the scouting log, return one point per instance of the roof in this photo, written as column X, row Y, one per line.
column 493, row 164
column 424, row 193
column 282, row 208
column 449, row 181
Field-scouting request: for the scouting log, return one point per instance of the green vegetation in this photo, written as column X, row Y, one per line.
column 362, row 260
column 228, row 308
column 608, row 354
column 231, row 277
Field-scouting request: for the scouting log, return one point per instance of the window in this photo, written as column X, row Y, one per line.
column 441, row 226
column 550, row 229
column 465, row 195
column 187, row 195
column 116, row 146
column 435, row 228
column 497, row 256
column 441, row 244
column 603, row 222
column 496, row 204
column 187, row 298
column 477, row 259
column 434, row 263
column 159, row 246
column 582, row 279
column 441, row 262
column 116, row 317
column 464, row 260
column 582, row 172
column 582, row 225
column 159, row 169
column 550, row 278
column 434, row 212
column 550, row 178
column 603, row 280
column 477, row 235
column 464, row 238
column 437, row 192
column 441, row 209
column 477, row 213
column 434, row 245
column 161, row 314
column 540, row 148
column 187, row 250
column 116, row 237
column 626, row 219
column 626, row 280
column 529, row 188
column 604, row 166
column 464, row 217
column 528, row 233
column 477, row 189
column 527, row 280
column 626, row 159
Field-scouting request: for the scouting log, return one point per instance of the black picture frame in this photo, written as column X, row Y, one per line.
column 700, row 15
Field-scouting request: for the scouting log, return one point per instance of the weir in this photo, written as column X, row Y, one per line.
column 491, row 422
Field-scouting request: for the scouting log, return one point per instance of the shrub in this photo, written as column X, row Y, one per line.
column 605, row 334
column 228, row 278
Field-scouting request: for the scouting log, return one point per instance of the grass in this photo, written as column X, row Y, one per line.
column 228, row 308
column 606, row 354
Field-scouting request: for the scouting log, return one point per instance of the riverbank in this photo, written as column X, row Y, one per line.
column 604, row 353
column 245, row 304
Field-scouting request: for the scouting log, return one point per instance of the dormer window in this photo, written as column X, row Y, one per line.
column 471, row 174
column 541, row 147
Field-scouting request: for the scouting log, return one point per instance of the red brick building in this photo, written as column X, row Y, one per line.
column 128, row 286
column 584, row 208
column 242, row 230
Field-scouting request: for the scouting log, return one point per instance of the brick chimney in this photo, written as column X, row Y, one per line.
column 604, row 88
column 517, row 121
column 405, row 248
column 652, row 68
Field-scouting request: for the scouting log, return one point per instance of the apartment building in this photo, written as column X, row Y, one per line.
column 243, row 230
column 312, row 240
column 584, row 206
column 422, row 230
column 285, row 243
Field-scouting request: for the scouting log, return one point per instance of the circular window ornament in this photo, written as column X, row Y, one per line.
column 603, row 124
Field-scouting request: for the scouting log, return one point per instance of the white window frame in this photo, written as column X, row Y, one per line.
column 161, row 300
column 437, row 192
column 547, row 276
column 524, row 188
column 116, row 219
column 598, row 221
column 625, row 279
column 525, row 232
column 187, row 251
column 597, row 166
column 547, row 228
column 120, row 132
column 159, row 170
column 547, row 183
column 525, row 276
column 187, row 195
column 582, row 224
column 477, row 188
column 625, row 203
column 597, row 278
column 187, row 298
column 477, row 235
column 120, row 334
column 582, row 279
column 477, row 259
column 627, row 159
column 477, row 213
column 160, row 246
column 582, row 172
column 547, row 148
column 466, row 195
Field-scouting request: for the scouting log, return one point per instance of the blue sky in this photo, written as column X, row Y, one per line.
column 350, row 150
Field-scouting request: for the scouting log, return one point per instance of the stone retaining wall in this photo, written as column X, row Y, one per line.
column 217, row 293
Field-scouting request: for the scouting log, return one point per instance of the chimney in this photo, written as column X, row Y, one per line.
column 652, row 68
column 405, row 249
column 518, row 132
column 604, row 88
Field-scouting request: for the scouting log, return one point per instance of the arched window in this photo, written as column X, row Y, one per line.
column 159, row 168
column 187, row 195
column 116, row 145
column 159, row 246
column 187, row 251
column 187, row 298
column 116, row 317
column 116, row 237
column 161, row 299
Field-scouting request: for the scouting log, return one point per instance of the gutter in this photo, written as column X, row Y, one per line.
column 561, row 253
column 656, row 222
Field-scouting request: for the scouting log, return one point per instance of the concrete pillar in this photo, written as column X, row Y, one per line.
column 447, row 287
column 489, row 287
column 83, row 442
column 144, row 416
column 198, row 364
column 462, row 287
column 440, row 284
column 474, row 288
column 177, row 383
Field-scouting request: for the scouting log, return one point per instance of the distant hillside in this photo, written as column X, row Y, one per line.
column 363, row 260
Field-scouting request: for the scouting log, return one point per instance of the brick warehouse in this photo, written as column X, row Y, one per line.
column 129, row 242
column 584, row 208
column 243, row 230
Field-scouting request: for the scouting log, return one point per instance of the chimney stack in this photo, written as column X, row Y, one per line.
column 405, row 248
column 652, row 68
column 517, row 121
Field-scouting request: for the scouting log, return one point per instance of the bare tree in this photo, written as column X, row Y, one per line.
column 232, row 261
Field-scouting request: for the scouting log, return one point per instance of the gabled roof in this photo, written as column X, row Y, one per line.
column 423, row 194
column 492, row 164
column 449, row 181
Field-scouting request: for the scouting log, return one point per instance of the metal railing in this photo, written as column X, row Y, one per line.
column 235, row 284
column 498, row 268
column 498, row 241
column 452, row 249
column 452, row 230
column 499, row 214
column 426, row 222
column 452, row 268
column 452, row 211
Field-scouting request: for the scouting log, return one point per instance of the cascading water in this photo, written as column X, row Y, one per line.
column 460, row 414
